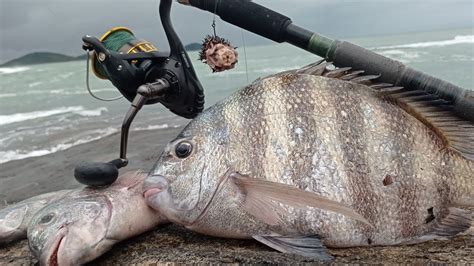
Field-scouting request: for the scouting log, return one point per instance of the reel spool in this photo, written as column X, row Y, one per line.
column 123, row 41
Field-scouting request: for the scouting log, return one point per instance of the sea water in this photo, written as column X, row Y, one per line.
column 46, row 108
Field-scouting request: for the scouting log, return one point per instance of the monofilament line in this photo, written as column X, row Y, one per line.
column 89, row 89
column 245, row 55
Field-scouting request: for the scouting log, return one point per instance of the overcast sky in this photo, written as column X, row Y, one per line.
column 58, row 25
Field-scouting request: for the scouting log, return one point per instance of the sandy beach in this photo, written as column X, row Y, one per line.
column 174, row 244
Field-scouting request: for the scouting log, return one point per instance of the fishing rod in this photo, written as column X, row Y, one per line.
column 280, row 28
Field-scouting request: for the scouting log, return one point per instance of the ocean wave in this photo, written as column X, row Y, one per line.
column 34, row 84
column 155, row 127
column 7, row 95
column 403, row 56
column 84, row 91
column 11, row 155
column 462, row 39
column 94, row 112
column 66, row 75
column 6, row 156
column 11, row 70
column 19, row 117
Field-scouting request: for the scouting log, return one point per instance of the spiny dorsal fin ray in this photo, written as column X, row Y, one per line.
column 456, row 133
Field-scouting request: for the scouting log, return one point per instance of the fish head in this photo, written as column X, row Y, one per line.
column 72, row 230
column 11, row 220
column 183, row 181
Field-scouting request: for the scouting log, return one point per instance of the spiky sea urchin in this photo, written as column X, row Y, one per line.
column 218, row 53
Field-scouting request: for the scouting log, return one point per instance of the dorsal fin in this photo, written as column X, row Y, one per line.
column 456, row 133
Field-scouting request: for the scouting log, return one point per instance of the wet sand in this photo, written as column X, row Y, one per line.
column 173, row 244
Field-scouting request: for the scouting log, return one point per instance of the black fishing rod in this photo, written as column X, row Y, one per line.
column 279, row 28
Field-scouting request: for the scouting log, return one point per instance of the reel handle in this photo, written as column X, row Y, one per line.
column 97, row 174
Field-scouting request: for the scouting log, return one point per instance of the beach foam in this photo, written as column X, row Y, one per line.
column 6, row 156
column 11, row 155
column 34, row 84
column 155, row 127
column 462, row 39
column 405, row 56
column 6, row 95
column 11, row 70
column 19, row 117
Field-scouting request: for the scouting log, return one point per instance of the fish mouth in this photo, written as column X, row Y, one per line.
column 52, row 256
column 153, row 185
column 149, row 192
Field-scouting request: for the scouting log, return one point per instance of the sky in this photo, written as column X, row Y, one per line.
column 58, row 25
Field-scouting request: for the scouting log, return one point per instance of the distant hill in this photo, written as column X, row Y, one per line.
column 193, row 47
column 47, row 57
column 40, row 58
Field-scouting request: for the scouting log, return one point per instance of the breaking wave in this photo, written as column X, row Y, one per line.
column 7, row 95
column 11, row 70
column 6, row 156
column 405, row 56
column 19, row 117
column 462, row 39
column 93, row 135
column 155, row 127
column 34, row 84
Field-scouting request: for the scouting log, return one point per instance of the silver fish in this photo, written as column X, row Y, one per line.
column 88, row 222
column 320, row 157
column 14, row 219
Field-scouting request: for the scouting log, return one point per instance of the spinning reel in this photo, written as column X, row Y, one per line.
column 143, row 76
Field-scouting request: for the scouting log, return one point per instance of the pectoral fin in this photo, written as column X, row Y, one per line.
column 308, row 246
column 444, row 224
column 452, row 222
column 261, row 198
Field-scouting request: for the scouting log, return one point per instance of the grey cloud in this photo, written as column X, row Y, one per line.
column 58, row 25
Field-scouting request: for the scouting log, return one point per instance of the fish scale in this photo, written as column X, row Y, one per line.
column 335, row 133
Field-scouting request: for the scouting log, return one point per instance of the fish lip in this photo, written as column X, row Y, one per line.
column 150, row 191
column 153, row 185
column 52, row 254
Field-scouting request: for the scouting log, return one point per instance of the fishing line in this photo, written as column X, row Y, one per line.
column 89, row 89
column 245, row 55
column 213, row 25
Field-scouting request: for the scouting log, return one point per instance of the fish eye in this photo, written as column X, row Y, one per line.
column 47, row 218
column 183, row 149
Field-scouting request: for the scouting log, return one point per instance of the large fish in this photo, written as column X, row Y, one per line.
column 14, row 219
column 86, row 223
column 320, row 157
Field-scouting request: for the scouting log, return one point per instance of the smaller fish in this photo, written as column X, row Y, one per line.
column 14, row 219
column 87, row 223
